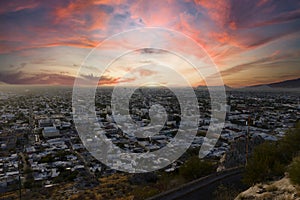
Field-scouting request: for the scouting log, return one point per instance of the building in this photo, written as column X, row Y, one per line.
column 50, row 132
column 45, row 123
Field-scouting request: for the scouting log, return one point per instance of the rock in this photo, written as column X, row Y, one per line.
column 281, row 189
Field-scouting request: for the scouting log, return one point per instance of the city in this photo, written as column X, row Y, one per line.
column 40, row 147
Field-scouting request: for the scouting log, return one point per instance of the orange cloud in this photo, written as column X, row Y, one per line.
column 81, row 42
column 184, row 25
column 146, row 72
column 79, row 13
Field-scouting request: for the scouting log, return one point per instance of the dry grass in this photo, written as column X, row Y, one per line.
column 115, row 187
column 271, row 188
column 10, row 195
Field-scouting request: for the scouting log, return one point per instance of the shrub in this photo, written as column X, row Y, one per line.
column 195, row 168
column 142, row 178
column 294, row 171
column 144, row 192
column 271, row 159
column 260, row 165
column 289, row 145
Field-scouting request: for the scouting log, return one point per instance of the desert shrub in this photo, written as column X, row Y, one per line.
column 144, row 192
column 195, row 168
column 260, row 165
column 143, row 178
column 87, row 196
column 289, row 145
column 271, row 159
column 65, row 176
column 294, row 171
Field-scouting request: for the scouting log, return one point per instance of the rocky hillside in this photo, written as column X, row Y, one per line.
column 281, row 190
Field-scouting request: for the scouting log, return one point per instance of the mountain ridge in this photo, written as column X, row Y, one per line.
column 292, row 83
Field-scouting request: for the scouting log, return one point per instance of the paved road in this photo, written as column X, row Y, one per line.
column 203, row 188
column 206, row 192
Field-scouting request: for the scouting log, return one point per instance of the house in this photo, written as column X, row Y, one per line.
column 50, row 132
column 45, row 123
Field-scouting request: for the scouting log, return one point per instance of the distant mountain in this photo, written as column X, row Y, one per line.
column 3, row 83
column 294, row 83
column 288, row 85
column 226, row 87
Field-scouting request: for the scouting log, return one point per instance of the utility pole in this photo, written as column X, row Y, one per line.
column 20, row 183
column 247, row 139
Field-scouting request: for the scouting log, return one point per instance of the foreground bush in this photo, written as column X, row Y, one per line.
column 195, row 168
column 294, row 171
column 263, row 164
column 270, row 159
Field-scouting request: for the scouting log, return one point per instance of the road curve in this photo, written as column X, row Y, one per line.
column 202, row 188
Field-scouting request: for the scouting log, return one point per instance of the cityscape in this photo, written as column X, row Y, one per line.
column 40, row 147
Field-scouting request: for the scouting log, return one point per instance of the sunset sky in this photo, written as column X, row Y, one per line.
column 250, row 41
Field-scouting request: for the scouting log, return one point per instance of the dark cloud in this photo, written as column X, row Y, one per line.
column 281, row 18
column 22, row 65
column 151, row 51
column 262, row 62
column 253, row 13
column 17, row 67
column 104, row 80
column 42, row 78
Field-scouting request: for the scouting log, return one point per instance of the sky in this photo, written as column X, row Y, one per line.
column 250, row 41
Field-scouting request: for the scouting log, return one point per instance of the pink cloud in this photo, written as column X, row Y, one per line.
column 218, row 10
column 15, row 6
column 155, row 13
column 76, row 12
column 146, row 72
